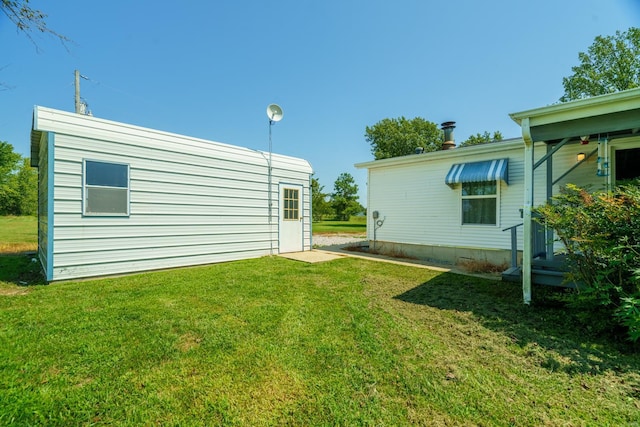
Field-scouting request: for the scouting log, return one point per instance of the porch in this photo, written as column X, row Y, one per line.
column 549, row 270
column 611, row 118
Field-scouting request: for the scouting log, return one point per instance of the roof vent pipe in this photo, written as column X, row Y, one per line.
column 449, row 141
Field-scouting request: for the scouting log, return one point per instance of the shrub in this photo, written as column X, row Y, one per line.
column 601, row 234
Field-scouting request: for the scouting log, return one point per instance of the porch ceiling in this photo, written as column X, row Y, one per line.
column 616, row 114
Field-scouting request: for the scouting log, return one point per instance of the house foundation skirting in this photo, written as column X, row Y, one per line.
column 443, row 254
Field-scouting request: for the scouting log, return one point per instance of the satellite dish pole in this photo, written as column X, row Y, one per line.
column 274, row 113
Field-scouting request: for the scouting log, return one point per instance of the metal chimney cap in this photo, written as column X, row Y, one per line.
column 450, row 124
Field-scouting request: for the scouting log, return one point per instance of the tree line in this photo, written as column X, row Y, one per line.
column 341, row 204
column 18, row 183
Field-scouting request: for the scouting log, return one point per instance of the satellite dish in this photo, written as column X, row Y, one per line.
column 274, row 112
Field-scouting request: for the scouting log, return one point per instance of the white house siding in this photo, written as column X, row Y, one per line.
column 191, row 201
column 418, row 208
column 585, row 173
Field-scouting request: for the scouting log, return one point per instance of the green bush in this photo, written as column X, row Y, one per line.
column 601, row 234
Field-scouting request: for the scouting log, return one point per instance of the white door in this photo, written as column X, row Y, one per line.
column 290, row 221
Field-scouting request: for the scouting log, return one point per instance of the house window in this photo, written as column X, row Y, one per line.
column 291, row 210
column 106, row 189
column 480, row 203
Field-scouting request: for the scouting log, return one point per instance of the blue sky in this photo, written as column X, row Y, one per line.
column 209, row 69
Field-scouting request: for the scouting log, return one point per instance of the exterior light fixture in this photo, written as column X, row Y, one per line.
column 580, row 157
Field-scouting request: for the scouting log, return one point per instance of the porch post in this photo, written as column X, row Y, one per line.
column 527, row 256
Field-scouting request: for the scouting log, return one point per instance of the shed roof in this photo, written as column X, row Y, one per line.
column 64, row 122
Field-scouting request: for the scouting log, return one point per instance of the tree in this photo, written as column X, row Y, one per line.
column 611, row 64
column 344, row 199
column 18, row 183
column 319, row 204
column 26, row 182
column 27, row 19
column 401, row 137
column 9, row 161
column 482, row 138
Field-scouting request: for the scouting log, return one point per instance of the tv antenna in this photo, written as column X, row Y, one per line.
column 274, row 113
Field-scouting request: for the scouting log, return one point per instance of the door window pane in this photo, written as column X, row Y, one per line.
column 290, row 209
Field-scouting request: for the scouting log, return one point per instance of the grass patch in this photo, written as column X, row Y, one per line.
column 18, row 234
column 272, row 341
column 356, row 225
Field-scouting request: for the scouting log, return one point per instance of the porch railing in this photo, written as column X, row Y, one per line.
column 539, row 241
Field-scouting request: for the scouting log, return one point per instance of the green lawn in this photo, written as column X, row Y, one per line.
column 18, row 234
column 272, row 341
column 356, row 225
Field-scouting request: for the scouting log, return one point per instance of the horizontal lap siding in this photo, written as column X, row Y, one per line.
column 411, row 202
column 419, row 208
column 128, row 266
column 191, row 202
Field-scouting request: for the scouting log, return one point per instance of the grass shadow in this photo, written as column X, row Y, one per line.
column 546, row 330
column 21, row 270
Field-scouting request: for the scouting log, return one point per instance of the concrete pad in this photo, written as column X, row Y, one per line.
column 312, row 256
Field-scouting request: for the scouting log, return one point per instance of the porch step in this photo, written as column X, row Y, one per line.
column 513, row 274
column 539, row 276
column 558, row 264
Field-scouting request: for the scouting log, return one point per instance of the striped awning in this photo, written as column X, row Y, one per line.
column 489, row 170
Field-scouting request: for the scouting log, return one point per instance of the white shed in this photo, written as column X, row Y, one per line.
column 116, row 198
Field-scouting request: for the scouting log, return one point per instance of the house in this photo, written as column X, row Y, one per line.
column 475, row 202
column 115, row 198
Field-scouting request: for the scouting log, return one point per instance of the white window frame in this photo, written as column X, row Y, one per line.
column 86, row 189
column 476, row 197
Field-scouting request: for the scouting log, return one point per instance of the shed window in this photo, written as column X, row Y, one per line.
column 480, row 203
column 291, row 210
column 106, row 189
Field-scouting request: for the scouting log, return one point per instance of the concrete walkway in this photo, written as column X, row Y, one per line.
column 329, row 253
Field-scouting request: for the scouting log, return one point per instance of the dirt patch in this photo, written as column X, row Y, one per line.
column 17, row 248
column 11, row 291
column 188, row 342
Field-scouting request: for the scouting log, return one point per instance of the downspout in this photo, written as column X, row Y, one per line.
column 527, row 256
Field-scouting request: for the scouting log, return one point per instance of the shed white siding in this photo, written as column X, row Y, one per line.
column 191, row 201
